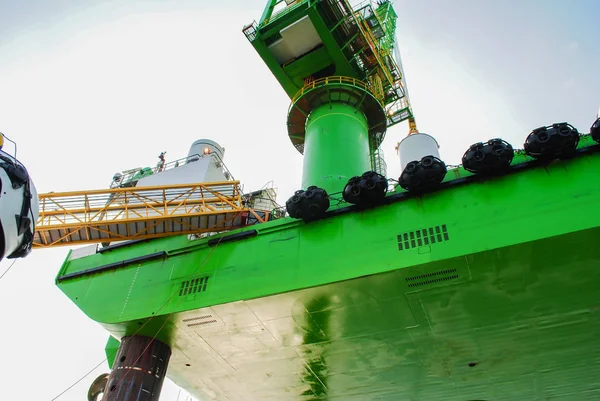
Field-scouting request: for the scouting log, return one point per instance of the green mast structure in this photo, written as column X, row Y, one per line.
column 337, row 65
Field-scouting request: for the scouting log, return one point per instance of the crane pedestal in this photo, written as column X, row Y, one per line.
column 139, row 370
column 337, row 123
column 336, row 146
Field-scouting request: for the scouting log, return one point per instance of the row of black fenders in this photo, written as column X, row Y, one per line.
column 483, row 159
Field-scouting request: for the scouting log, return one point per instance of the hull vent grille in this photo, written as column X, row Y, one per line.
column 423, row 237
column 193, row 286
column 200, row 320
column 432, row 278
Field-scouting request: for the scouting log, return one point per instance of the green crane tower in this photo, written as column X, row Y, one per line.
column 479, row 282
column 337, row 65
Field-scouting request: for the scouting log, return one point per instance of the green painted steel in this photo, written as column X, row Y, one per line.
column 336, row 90
column 336, row 147
column 266, row 35
column 111, row 349
column 274, row 256
column 268, row 11
column 485, row 289
column 318, row 59
column 384, row 22
column 347, row 43
column 348, row 40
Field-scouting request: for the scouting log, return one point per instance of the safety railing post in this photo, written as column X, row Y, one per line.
column 164, row 195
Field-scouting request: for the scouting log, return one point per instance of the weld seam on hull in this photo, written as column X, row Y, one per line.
column 120, row 245
column 113, row 266
column 232, row 237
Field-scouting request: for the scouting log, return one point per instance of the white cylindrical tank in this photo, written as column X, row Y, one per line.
column 416, row 146
column 206, row 146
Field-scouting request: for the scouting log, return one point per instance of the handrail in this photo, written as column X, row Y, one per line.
column 282, row 12
column 137, row 202
column 250, row 31
column 334, row 80
column 372, row 44
column 128, row 177
column 122, row 214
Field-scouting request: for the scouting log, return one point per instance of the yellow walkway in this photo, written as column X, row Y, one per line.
column 84, row 217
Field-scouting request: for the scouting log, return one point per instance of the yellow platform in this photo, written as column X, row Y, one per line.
column 121, row 214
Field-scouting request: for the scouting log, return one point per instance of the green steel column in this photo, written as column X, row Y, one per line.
column 336, row 146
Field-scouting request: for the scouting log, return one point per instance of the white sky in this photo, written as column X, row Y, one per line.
column 90, row 88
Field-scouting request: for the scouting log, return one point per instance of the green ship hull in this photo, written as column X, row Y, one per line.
column 481, row 290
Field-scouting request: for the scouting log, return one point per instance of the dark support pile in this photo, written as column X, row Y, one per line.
column 139, row 370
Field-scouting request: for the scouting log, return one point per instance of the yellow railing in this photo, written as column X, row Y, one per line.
column 86, row 217
column 372, row 42
column 334, row 80
column 101, row 206
column 376, row 86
